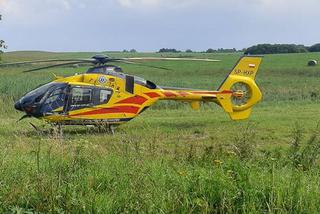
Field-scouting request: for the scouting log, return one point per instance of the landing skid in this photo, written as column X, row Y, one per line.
column 109, row 128
column 57, row 129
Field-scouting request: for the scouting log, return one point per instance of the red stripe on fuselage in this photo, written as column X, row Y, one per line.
column 182, row 93
column 153, row 94
column 139, row 100
column 169, row 94
column 212, row 92
column 113, row 110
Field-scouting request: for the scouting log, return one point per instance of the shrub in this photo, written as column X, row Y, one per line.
column 304, row 155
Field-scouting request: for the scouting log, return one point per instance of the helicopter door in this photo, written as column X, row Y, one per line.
column 80, row 97
column 86, row 97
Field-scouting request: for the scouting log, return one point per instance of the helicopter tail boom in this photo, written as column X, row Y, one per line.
column 237, row 94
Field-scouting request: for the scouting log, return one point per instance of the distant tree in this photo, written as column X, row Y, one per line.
column 168, row 50
column 276, row 49
column 210, row 50
column 315, row 48
column 2, row 43
column 133, row 51
column 222, row 50
column 228, row 50
column 189, row 51
column 125, row 51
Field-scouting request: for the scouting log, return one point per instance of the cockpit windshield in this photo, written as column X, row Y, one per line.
column 41, row 91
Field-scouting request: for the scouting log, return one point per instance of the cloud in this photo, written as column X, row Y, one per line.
column 261, row 5
column 20, row 8
column 144, row 3
column 156, row 4
column 152, row 24
column 34, row 12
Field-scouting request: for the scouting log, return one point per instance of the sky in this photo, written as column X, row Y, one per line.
column 148, row 25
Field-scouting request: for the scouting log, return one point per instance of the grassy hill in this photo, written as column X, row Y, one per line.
column 171, row 159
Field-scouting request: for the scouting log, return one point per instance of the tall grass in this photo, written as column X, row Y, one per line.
column 79, row 177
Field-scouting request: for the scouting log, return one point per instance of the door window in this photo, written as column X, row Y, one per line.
column 86, row 97
column 81, row 96
column 104, row 96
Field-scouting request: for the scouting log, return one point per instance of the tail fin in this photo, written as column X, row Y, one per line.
column 241, row 81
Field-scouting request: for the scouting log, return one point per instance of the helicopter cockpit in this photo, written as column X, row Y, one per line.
column 60, row 98
column 44, row 98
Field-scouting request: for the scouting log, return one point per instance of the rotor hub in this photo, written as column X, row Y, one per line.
column 241, row 94
column 101, row 59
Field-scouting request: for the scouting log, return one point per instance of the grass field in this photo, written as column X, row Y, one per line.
column 171, row 159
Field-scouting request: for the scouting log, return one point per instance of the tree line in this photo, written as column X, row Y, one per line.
column 256, row 49
column 281, row 48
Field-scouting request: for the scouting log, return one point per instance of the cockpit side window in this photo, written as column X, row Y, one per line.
column 81, row 96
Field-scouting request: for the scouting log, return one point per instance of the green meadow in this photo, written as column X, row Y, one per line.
column 170, row 159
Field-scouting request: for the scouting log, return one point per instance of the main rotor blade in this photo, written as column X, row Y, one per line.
column 47, row 60
column 169, row 59
column 143, row 65
column 52, row 66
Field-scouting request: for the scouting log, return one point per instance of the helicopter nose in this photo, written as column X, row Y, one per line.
column 18, row 106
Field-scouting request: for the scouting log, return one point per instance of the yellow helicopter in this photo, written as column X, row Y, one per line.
column 104, row 95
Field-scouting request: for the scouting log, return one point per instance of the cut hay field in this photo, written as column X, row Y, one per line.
column 170, row 159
